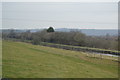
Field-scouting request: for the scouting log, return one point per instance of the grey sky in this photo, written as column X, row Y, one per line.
column 26, row 15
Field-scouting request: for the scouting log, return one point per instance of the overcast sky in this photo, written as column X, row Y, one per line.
column 82, row 15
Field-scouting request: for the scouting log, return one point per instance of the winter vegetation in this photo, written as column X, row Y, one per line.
column 75, row 38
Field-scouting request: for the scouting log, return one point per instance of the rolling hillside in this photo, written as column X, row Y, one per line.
column 92, row 32
column 23, row 60
column 89, row 32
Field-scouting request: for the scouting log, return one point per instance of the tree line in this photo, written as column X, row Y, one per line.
column 75, row 38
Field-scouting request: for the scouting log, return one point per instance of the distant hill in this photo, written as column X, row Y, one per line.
column 92, row 32
column 20, row 30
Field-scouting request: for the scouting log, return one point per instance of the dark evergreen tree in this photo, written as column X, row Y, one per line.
column 50, row 29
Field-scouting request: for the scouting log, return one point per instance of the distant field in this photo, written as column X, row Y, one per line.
column 23, row 60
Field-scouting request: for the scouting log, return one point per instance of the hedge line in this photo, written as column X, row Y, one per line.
column 77, row 48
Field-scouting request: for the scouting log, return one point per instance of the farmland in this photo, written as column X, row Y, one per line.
column 24, row 60
column 0, row 58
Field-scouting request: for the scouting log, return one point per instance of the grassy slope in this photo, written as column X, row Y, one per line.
column 30, row 61
column 0, row 58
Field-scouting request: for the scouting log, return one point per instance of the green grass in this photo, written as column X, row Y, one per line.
column 0, row 58
column 23, row 60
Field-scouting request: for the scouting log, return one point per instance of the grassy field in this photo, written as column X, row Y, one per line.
column 0, row 58
column 23, row 60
